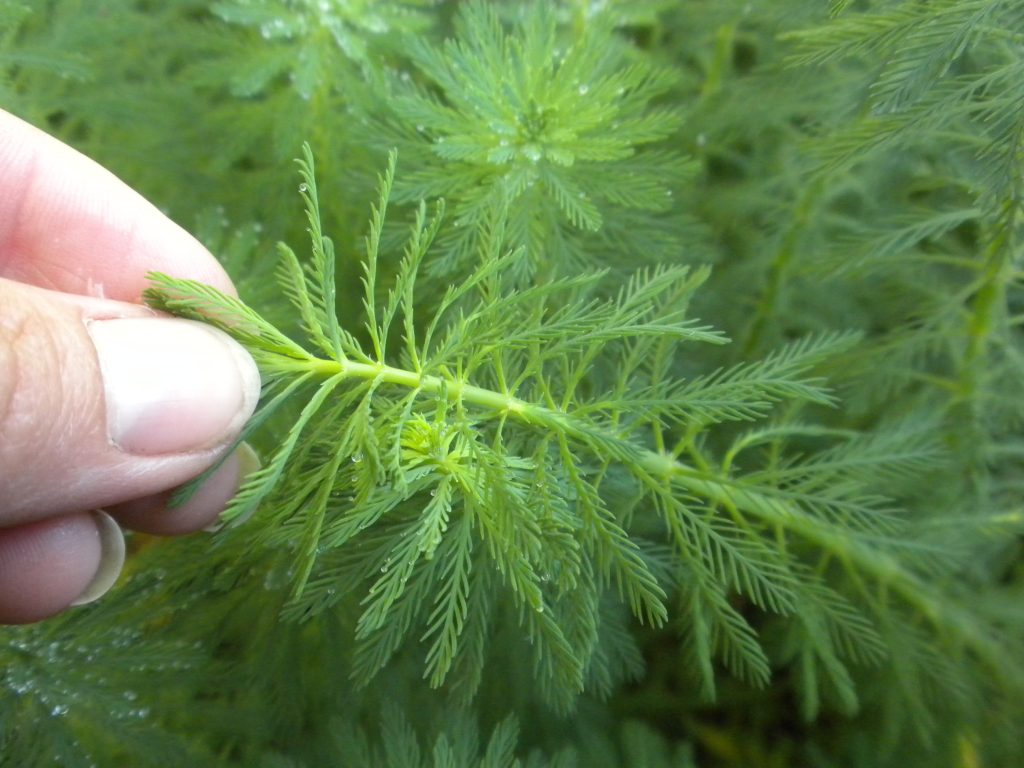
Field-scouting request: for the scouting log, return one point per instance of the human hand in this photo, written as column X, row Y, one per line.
column 103, row 404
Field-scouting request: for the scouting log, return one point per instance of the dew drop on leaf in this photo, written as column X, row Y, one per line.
column 533, row 153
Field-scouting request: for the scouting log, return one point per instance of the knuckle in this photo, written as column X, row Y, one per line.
column 29, row 369
column 13, row 329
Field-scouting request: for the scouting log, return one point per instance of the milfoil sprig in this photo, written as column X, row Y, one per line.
column 533, row 447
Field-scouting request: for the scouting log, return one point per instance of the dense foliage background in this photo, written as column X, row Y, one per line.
column 834, row 580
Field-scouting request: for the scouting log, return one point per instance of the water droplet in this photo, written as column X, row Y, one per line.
column 621, row 90
column 539, row 608
column 583, row 89
column 357, row 458
column 275, row 28
column 533, row 153
column 303, row 187
column 420, row 128
column 433, row 492
column 503, row 143
column 59, row 709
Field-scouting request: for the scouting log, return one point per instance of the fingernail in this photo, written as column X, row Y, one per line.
column 247, row 462
column 172, row 385
column 111, row 559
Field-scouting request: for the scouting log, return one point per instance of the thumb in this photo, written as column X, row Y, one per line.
column 102, row 402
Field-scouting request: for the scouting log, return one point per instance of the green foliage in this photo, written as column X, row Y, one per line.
column 74, row 703
column 517, row 506
column 559, row 138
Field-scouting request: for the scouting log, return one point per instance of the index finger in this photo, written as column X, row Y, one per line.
column 68, row 224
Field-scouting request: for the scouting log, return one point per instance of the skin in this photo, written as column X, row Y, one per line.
column 75, row 246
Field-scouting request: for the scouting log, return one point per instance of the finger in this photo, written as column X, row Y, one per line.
column 69, row 225
column 101, row 402
column 153, row 514
column 51, row 564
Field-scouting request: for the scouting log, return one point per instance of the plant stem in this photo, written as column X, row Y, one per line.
column 767, row 304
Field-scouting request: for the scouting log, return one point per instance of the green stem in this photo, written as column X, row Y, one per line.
column 767, row 303
column 986, row 315
column 432, row 385
column 721, row 61
column 989, row 300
